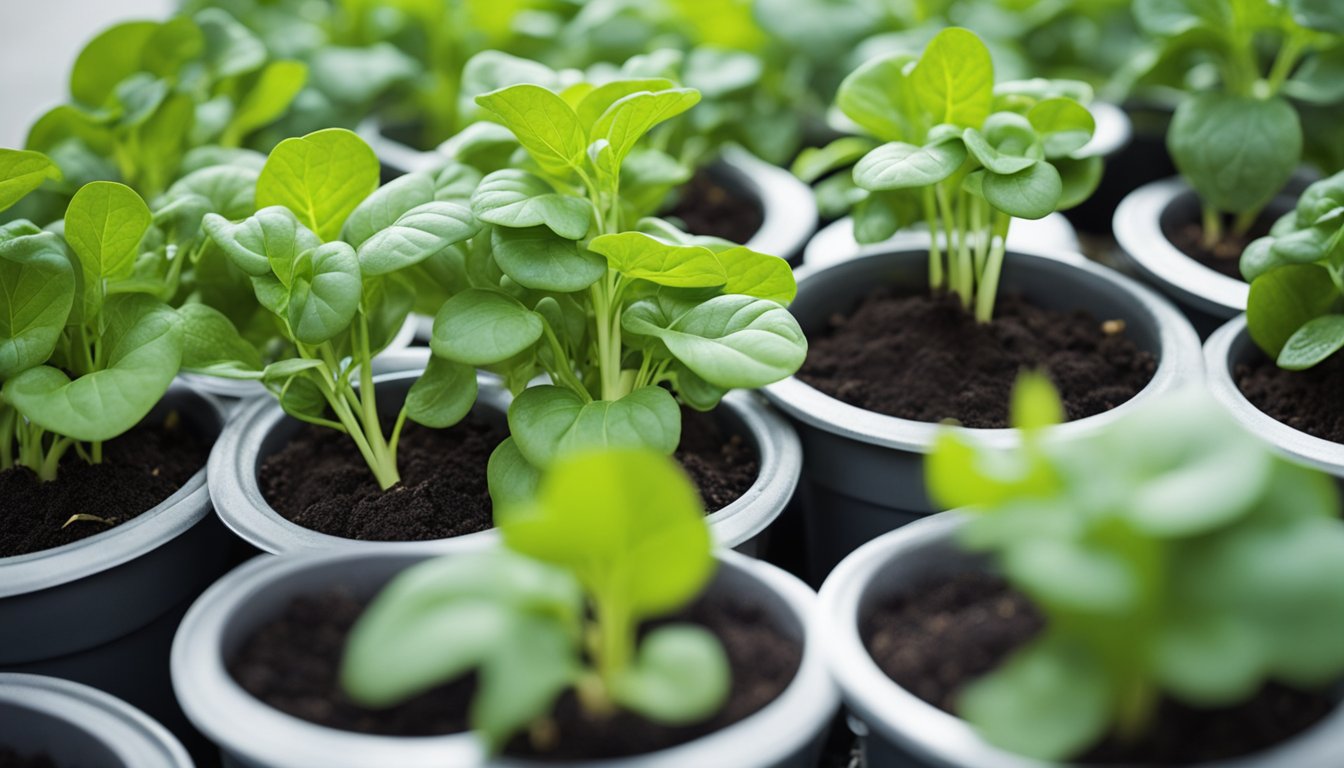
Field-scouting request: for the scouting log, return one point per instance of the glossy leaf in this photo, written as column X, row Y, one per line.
column 38, row 284
column 21, row 172
column 537, row 258
column 415, row 236
column 637, row 255
column 321, row 178
column 480, row 327
column 443, row 395
column 548, row 422
column 324, row 293
column 512, row 198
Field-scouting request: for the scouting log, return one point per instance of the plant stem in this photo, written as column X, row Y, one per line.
column 1284, row 63
column 96, row 447
column 935, row 254
column 1213, row 226
column 1244, row 221
column 989, row 281
column 616, row 647
column 7, row 435
column 52, row 462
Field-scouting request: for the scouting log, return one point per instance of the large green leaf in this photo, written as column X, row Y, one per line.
column 37, row 285
column 548, row 422
column 879, row 98
column 1285, row 299
column 898, row 165
column 637, row 255
column 381, row 209
column 1318, row 339
column 1032, row 193
column 537, row 258
column 268, row 99
column 481, row 327
column 21, row 172
column 415, row 236
column 954, row 79
column 321, row 178
column 1237, row 151
column 680, row 676
column 104, row 225
column 109, row 58
column 268, row 242
column 757, row 274
column 443, row 395
column 543, row 123
column 627, row 120
column 513, row 198
column 324, row 292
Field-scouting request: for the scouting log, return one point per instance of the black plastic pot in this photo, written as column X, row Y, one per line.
column 102, row 610
column 863, row 471
column 787, row 733
column 76, row 725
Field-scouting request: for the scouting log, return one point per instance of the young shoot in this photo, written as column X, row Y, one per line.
column 611, row 540
column 961, row 156
column 1172, row 554
column 85, row 351
column 330, row 258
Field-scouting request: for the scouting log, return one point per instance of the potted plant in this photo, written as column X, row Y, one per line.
column 902, row 339
column 46, row 721
column 1237, row 144
column 1126, row 597
column 633, row 321
column 1273, row 367
column 102, row 456
column 388, row 677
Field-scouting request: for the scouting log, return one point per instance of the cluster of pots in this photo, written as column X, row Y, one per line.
column 150, row 611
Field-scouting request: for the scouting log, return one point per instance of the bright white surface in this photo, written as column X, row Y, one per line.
column 39, row 40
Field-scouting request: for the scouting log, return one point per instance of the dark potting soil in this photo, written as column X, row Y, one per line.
column 292, row 664
column 321, row 481
column 723, row 466
column 1307, row 401
column 940, row 638
column 707, row 207
column 11, row 759
column 139, row 469
column 925, row 358
column 1223, row 256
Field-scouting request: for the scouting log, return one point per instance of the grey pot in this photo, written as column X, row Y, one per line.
column 863, row 471
column 1230, row 346
column 786, row 733
column 233, row 390
column 898, row 729
column 80, row 726
column 1206, row 296
column 261, row 429
column 102, row 610
column 835, row 242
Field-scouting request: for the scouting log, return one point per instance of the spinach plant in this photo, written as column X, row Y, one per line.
column 624, row 314
column 1295, row 310
column 621, row 533
column 1172, row 554
column 84, row 353
column 1237, row 137
column 961, row 155
column 330, row 257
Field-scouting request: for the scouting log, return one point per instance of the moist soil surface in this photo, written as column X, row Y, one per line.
column 11, row 759
column 139, row 469
column 1223, row 256
column 953, row 631
column 292, row 664
column 321, row 482
column 1307, row 401
column 924, row 358
column 707, row 207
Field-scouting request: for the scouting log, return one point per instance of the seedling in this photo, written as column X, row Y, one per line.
column 329, row 256
column 84, row 353
column 622, row 532
column 623, row 314
column 961, row 155
column 1172, row 555
column 1295, row 311
column 1238, row 141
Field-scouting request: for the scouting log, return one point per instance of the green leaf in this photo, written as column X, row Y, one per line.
column 210, row 341
column 537, row 258
column 512, row 198
column 638, row 255
column 1080, row 177
column 1285, row 299
column 1318, row 339
column 513, row 480
column 815, row 162
column 1320, row 15
column 480, row 327
column 954, row 79
column 38, row 284
column 680, row 676
column 1174, row 17
column 104, row 225
column 627, row 121
column 229, row 190
column 443, row 395
column 415, row 236
column 597, row 101
column 1035, row 404
column 1237, row 151
column 1007, row 145
column 267, row 242
column 143, row 350
column 522, row 677
column 321, row 178
column 324, row 293
column 548, row 422
column 545, row 125
column 112, row 56
column 21, row 172
column 878, row 96
column 904, row 166
column 1033, row 193
column 1065, row 125
column 230, row 48
column 266, row 101
column 729, row 341
column 757, row 274
column 381, row 209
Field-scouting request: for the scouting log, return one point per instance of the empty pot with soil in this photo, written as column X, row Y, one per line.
column 911, row 618
column 45, row 722
column 236, row 669
column 888, row 361
column 285, row 486
column 96, row 600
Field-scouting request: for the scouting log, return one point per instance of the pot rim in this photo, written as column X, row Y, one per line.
column 236, row 720
column 901, row 717
column 1308, row 449
column 1114, row 130
column 780, row 454
column 835, row 242
column 138, row 740
column 151, row 529
column 1138, row 230
column 1179, row 360
column 240, row 389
